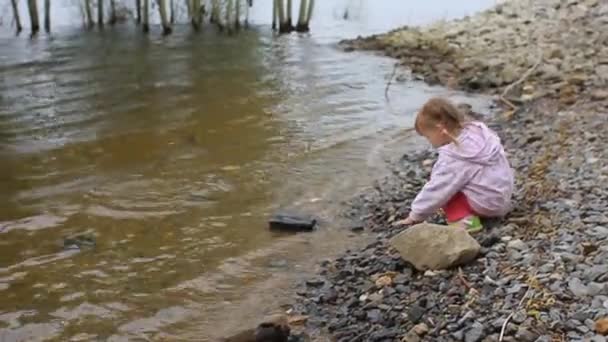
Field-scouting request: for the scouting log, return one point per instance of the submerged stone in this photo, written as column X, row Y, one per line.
column 291, row 223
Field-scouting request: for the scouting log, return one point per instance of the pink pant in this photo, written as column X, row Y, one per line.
column 457, row 208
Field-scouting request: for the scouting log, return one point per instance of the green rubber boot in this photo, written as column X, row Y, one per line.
column 471, row 223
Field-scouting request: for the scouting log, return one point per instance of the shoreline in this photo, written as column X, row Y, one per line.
column 495, row 48
column 541, row 274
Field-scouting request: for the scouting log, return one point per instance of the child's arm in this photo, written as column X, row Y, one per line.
column 447, row 178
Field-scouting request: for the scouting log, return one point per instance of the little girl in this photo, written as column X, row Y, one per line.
column 472, row 176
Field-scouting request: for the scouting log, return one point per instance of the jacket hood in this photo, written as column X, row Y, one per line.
column 476, row 144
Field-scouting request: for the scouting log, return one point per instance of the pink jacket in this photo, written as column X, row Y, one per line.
column 477, row 166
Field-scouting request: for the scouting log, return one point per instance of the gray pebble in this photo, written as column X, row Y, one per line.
column 475, row 334
column 597, row 338
column 525, row 335
column 519, row 317
column 577, row 287
column 518, row 245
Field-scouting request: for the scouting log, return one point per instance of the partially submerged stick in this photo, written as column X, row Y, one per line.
column 390, row 81
column 503, row 96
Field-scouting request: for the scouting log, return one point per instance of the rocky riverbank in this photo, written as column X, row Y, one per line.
column 543, row 266
column 561, row 44
column 542, row 274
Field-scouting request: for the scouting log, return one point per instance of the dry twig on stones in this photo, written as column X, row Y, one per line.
column 463, row 279
column 504, row 325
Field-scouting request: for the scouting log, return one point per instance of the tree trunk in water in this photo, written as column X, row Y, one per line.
column 215, row 11
column 237, row 19
column 196, row 14
column 311, row 5
column 138, row 11
column 229, row 15
column 216, row 14
column 282, row 23
column 112, row 12
column 189, row 9
column 301, row 26
column 274, row 14
column 289, row 21
column 16, row 16
column 162, row 10
column 146, row 21
column 172, row 9
column 82, row 14
column 100, row 13
column 247, row 13
column 47, row 16
column 88, row 13
column 33, row 8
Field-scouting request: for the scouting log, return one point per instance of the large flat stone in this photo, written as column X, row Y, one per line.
column 434, row 247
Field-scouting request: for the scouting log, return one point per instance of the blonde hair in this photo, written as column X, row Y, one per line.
column 439, row 111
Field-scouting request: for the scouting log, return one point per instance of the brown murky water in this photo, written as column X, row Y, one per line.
column 171, row 153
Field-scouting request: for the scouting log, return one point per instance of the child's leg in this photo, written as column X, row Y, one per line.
column 458, row 210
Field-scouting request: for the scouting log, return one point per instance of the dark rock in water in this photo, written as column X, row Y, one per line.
column 272, row 329
column 297, row 338
column 278, row 264
column 271, row 332
column 315, row 282
column 357, row 227
column 291, row 223
column 79, row 241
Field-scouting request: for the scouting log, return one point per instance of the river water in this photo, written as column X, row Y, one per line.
column 171, row 153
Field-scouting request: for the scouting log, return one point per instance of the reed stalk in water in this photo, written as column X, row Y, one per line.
column 100, row 13
column 289, row 19
column 275, row 13
column 195, row 12
column 138, row 11
column 88, row 14
column 18, row 26
column 216, row 14
column 146, row 20
column 47, row 16
column 112, row 12
column 229, row 5
column 215, row 11
column 237, row 19
column 302, row 16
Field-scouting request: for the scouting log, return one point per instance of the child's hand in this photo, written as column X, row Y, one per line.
column 406, row 222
